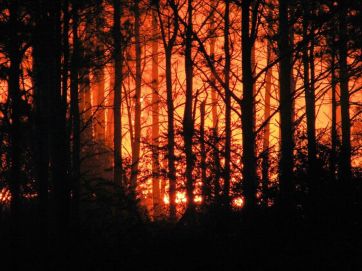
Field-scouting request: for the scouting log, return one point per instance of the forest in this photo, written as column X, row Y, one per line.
column 181, row 134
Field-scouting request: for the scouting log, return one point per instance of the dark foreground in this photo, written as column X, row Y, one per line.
column 325, row 241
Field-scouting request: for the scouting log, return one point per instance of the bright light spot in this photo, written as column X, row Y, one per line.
column 238, row 202
column 198, row 199
column 181, row 197
column 166, row 199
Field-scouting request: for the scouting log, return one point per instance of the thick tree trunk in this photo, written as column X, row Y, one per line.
column 249, row 160
column 14, row 102
column 345, row 156
column 74, row 110
column 286, row 110
column 117, row 56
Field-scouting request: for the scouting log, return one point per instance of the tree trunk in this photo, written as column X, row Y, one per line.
column 137, row 121
column 249, row 160
column 334, row 135
column 203, row 147
column 226, row 192
column 286, row 110
column 308, row 65
column 14, row 102
column 99, row 123
column 215, row 118
column 117, row 103
column 266, row 132
column 74, row 110
column 155, row 120
column 171, row 135
column 188, row 124
column 345, row 156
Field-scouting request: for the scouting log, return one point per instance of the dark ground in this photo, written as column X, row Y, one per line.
column 323, row 241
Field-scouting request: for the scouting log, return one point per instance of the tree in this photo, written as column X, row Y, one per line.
column 155, row 118
column 168, row 40
column 286, row 109
column 188, row 122
column 118, row 59
column 249, row 159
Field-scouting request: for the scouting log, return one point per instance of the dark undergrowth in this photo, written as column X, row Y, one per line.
column 325, row 236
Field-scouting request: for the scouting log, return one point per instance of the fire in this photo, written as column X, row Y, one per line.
column 238, row 202
column 181, row 198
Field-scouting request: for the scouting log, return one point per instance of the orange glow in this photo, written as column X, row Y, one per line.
column 238, row 202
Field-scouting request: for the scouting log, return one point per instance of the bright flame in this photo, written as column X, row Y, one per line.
column 238, row 202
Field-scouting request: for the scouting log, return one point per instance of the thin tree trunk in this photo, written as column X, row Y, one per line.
column 155, row 120
column 137, row 121
column 266, row 132
column 171, row 135
column 202, row 146
column 188, row 124
column 226, row 192
column 215, row 119
column 334, row 135
column 168, row 46
column 308, row 64
column 99, row 123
